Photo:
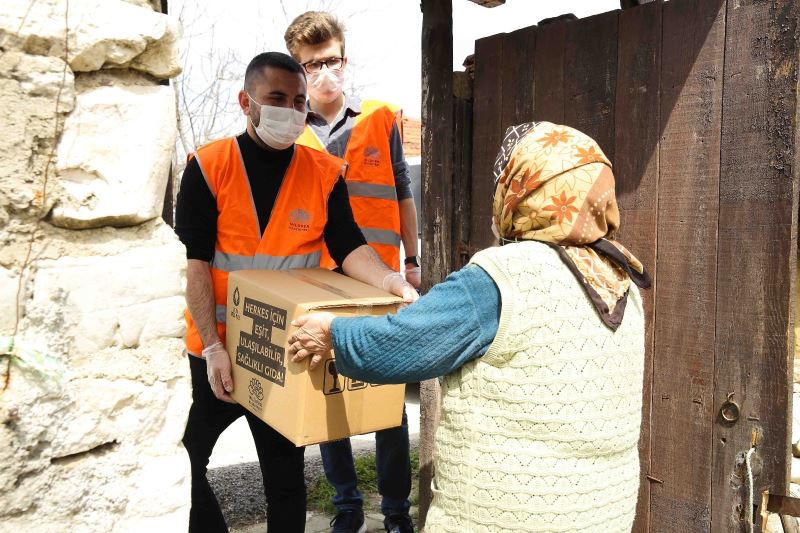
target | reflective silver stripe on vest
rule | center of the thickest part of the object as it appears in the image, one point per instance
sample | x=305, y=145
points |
x=381, y=236
x=222, y=312
x=233, y=262
x=371, y=190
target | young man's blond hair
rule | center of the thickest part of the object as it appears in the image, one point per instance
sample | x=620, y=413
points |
x=313, y=28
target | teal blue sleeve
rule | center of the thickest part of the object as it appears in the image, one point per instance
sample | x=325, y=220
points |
x=453, y=323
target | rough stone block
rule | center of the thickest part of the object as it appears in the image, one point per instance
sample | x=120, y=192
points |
x=114, y=157
x=161, y=59
x=99, y=390
x=30, y=85
x=121, y=300
x=87, y=449
x=9, y=281
x=102, y=34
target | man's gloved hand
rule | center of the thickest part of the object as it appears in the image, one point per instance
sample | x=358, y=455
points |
x=398, y=286
x=219, y=371
x=413, y=275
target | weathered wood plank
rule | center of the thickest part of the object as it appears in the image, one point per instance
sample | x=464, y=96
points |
x=437, y=173
x=519, y=51
x=636, y=128
x=462, y=167
x=429, y=400
x=548, y=100
x=487, y=135
x=437, y=132
x=489, y=3
x=688, y=188
x=756, y=252
x=590, y=77
x=628, y=4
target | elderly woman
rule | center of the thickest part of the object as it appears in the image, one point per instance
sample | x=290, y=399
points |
x=541, y=345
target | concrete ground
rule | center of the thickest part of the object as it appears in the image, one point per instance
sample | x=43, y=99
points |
x=318, y=523
x=236, y=478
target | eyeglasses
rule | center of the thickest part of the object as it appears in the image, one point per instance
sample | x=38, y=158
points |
x=333, y=63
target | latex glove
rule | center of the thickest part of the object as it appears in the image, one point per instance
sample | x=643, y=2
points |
x=219, y=371
x=312, y=339
x=398, y=286
x=414, y=276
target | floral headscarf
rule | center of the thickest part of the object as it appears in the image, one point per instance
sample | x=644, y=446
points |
x=553, y=184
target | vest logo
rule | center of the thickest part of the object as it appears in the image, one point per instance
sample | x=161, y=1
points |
x=299, y=220
x=372, y=156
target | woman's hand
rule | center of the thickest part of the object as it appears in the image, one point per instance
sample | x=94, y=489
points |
x=312, y=339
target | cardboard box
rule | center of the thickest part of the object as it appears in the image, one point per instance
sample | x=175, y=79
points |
x=307, y=407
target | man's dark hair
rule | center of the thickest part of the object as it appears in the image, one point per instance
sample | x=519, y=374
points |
x=269, y=59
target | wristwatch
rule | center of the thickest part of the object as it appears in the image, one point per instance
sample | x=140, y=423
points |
x=412, y=260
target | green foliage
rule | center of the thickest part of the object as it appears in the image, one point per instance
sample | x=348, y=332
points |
x=321, y=492
x=31, y=358
x=319, y=496
x=414, y=498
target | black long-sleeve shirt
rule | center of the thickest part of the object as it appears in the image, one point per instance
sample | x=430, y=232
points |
x=196, y=208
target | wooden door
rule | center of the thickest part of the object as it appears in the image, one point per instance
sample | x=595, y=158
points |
x=695, y=102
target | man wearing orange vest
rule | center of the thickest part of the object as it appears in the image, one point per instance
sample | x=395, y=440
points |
x=366, y=134
x=238, y=207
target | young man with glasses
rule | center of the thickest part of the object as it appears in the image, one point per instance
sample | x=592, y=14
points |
x=365, y=134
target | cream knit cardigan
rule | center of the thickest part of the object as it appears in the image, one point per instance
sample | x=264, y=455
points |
x=541, y=433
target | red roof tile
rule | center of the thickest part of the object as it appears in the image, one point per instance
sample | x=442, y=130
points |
x=412, y=137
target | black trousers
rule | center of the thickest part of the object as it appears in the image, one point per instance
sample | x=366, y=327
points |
x=281, y=462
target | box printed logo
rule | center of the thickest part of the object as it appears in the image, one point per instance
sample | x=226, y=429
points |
x=235, y=311
x=354, y=384
x=256, y=389
x=331, y=383
x=256, y=394
x=332, y=380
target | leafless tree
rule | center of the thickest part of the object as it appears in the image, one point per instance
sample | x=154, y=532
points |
x=331, y=6
x=206, y=91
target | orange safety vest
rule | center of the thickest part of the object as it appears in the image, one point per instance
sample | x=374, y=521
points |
x=370, y=179
x=293, y=237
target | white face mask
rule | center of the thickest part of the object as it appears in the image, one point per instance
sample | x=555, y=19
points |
x=279, y=127
x=326, y=85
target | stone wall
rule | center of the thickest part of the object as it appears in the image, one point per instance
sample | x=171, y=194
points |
x=95, y=389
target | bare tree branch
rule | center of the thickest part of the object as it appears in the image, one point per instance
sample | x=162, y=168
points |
x=205, y=93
